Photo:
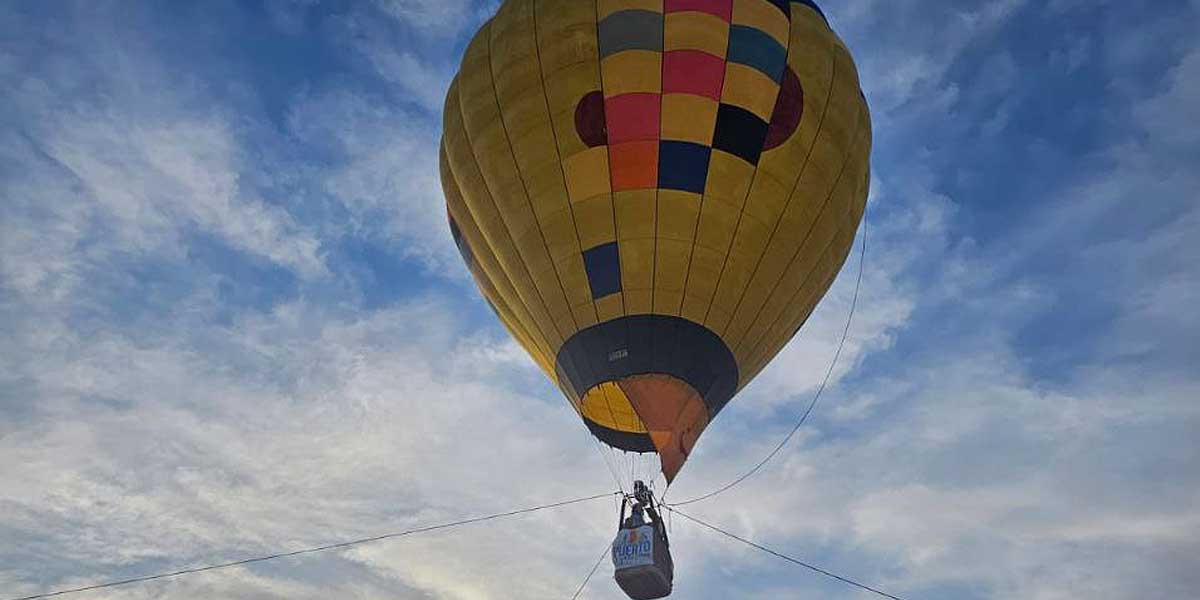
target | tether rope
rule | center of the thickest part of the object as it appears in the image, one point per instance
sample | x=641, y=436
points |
x=312, y=550
x=607, y=549
x=816, y=396
x=776, y=554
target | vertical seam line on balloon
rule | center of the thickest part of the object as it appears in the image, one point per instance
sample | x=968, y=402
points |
x=608, y=402
x=683, y=293
x=612, y=193
x=483, y=280
x=824, y=205
x=804, y=288
x=792, y=194
x=829, y=281
x=700, y=213
x=658, y=158
x=529, y=202
x=519, y=266
x=708, y=172
x=571, y=208
x=753, y=177
x=673, y=350
x=537, y=49
x=662, y=60
x=612, y=203
x=806, y=279
x=800, y=288
x=545, y=339
x=662, y=91
x=482, y=274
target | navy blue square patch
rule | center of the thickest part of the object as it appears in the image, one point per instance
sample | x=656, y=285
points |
x=740, y=133
x=683, y=166
x=603, y=265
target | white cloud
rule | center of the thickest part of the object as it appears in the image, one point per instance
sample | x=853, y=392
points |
x=297, y=430
x=437, y=16
x=388, y=178
x=1161, y=114
x=919, y=45
x=153, y=181
x=940, y=463
x=289, y=15
x=423, y=83
x=127, y=170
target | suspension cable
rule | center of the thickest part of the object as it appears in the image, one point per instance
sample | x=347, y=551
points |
x=608, y=457
x=315, y=549
x=816, y=396
x=776, y=554
x=579, y=591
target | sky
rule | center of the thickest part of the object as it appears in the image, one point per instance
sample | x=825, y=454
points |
x=233, y=320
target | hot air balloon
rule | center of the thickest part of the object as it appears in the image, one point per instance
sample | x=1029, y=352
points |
x=654, y=195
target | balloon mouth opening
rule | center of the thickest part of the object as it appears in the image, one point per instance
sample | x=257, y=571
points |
x=647, y=383
x=650, y=412
x=673, y=413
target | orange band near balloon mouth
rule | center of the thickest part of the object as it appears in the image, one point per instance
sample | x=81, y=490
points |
x=669, y=373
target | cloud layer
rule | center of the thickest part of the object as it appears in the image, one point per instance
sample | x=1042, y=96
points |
x=232, y=321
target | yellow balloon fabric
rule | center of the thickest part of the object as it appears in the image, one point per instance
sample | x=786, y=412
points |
x=653, y=195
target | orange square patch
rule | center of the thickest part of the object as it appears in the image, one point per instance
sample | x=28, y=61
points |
x=634, y=165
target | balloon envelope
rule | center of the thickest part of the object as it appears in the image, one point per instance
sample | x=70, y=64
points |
x=653, y=195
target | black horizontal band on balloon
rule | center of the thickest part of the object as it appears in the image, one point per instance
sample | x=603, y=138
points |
x=649, y=344
x=624, y=440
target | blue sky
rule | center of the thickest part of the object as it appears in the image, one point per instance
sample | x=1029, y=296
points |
x=232, y=320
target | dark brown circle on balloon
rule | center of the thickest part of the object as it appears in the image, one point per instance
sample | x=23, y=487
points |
x=789, y=108
x=589, y=119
